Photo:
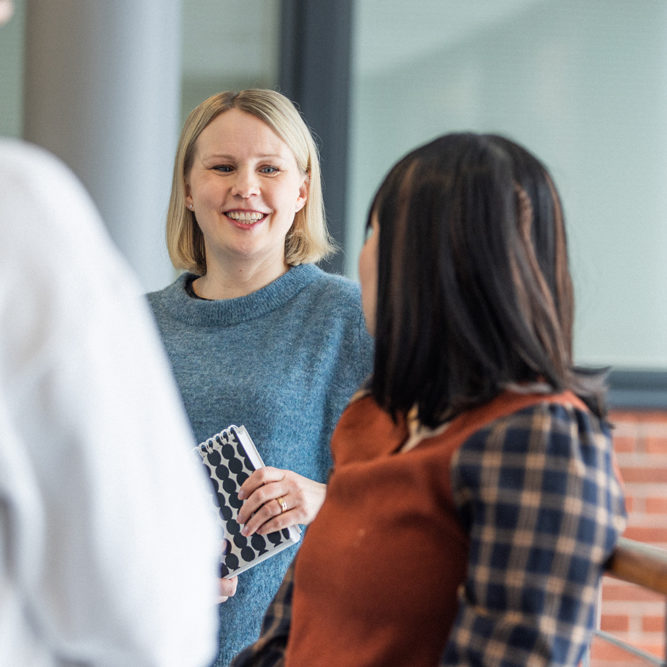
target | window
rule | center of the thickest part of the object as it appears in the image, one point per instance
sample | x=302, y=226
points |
x=584, y=86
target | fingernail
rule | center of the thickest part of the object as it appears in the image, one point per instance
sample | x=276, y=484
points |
x=240, y=494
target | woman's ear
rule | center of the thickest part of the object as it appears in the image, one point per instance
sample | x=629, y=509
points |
x=188, y=196
x=303, y=193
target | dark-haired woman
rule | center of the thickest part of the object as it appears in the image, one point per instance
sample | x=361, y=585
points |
x=474, y=499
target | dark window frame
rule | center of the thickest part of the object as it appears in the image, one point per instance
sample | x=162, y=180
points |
x=314, y=72
x=637, y=389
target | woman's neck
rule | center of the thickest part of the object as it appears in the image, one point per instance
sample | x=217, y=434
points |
x=232, y=282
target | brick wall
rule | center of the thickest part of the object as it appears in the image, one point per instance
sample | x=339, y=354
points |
x=633, y=615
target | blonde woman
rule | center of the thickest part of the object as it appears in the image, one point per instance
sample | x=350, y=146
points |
x=257, y=334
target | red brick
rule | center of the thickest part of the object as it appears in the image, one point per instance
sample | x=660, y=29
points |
x=655, y=444
x=655, y=505
x=628, y=611
x=604, y=653
x=625, y=444
x=653, y=417
x=658, y=650
x=653, y=624
x=614, y=589
x=614, y=622
x=647, y=534
x=644, y=474
x=622, y=416
x=627, y=592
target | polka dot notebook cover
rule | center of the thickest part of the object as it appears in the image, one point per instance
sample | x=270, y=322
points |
x=230, y=457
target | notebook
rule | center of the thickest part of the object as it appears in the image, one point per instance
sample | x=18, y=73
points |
x=230, y=457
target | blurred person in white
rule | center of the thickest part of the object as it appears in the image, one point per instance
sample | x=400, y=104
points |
x=108, y=549
x=108, y=542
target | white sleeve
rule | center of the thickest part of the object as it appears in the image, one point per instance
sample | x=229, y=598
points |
x=109, y=534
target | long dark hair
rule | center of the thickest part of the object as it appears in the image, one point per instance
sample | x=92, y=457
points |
x=474, y=289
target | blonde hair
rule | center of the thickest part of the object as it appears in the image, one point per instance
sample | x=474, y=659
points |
x=308, y=239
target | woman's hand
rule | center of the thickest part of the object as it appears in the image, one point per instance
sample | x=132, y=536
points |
x=276, y=499
x=227, y=588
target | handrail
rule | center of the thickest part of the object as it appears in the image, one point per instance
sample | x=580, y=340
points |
x=646, y=566
x=639, y=563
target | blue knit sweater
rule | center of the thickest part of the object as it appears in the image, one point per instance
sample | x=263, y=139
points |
x=282, y=361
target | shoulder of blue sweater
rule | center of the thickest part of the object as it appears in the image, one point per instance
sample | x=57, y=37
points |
x=176, y=285
x=334, y=282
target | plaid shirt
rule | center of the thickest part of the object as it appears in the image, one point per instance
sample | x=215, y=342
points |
x=539, y=498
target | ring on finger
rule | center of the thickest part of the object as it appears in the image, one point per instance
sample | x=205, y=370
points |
x=283, y=504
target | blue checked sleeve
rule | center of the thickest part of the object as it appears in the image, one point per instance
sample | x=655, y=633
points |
x=269, y=649
x=538, y=494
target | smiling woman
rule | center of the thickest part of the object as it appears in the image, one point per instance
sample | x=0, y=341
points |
x=258, y=335
x=244, y=188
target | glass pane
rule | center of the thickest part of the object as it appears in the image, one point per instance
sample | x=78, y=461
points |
x=581, y=84
x=228, y=45
x=11, y=73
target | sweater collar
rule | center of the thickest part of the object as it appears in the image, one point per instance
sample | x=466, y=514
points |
x=228, y=312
